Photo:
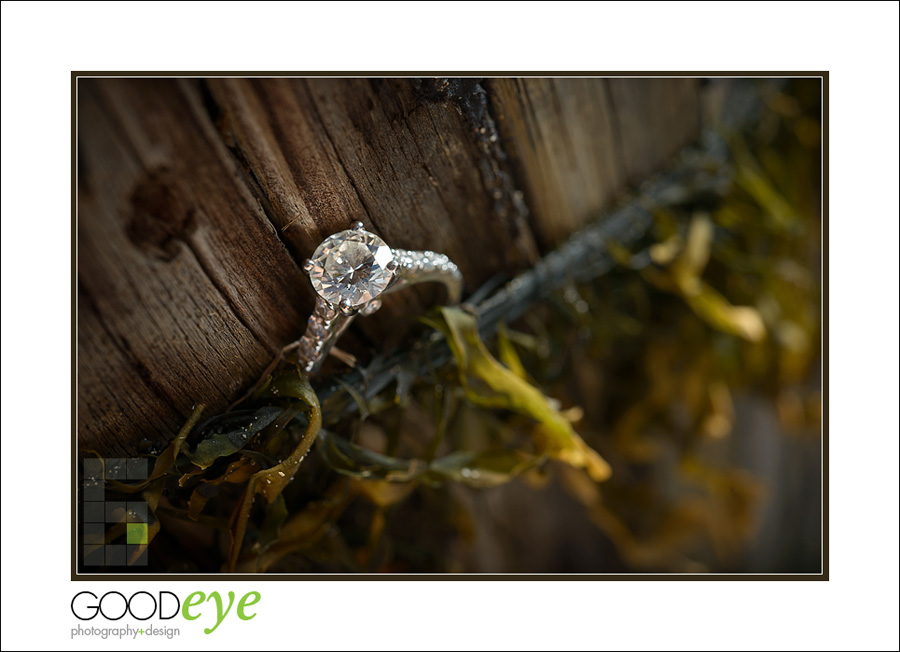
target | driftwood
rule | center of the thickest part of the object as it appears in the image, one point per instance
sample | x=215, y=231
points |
x=197, y=200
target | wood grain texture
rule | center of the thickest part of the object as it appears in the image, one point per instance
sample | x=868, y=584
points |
x=184, y=289
x=324, y=153
x=198, y=199
x=575, y=143
x=369, y=150
x=654, y=119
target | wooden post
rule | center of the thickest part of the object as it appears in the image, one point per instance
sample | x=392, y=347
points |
x=198, y=199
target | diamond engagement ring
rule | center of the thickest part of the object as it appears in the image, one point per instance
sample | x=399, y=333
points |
x=350, y=271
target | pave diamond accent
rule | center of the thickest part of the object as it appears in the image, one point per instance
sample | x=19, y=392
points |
x=324, y=327
x=419, y=266
x=351, y=266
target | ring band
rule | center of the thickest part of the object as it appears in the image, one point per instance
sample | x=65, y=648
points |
x=349, y=271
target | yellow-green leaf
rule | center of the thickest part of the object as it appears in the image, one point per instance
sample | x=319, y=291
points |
x=272, y=481
x=489, y=383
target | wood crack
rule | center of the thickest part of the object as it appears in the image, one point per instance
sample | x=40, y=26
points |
x=255, y=184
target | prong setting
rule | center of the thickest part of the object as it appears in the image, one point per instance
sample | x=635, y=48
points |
x=346, y=307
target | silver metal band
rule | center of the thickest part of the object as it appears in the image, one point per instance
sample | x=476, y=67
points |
x=425, y=266
x=324, y=327
x=328, y=321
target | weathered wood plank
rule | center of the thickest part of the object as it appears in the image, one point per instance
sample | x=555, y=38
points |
x=575, y=143
x=198, y=198
x=185, y=290
x=654, y=118
x=326, y=152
